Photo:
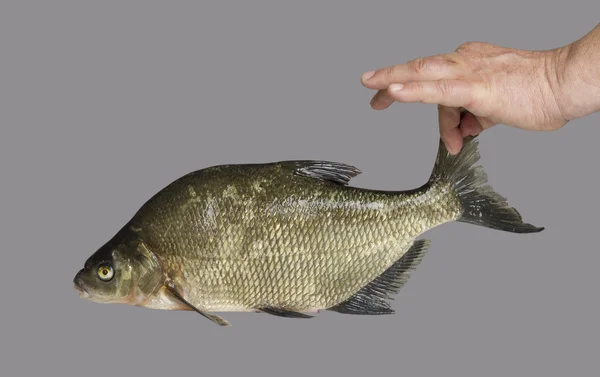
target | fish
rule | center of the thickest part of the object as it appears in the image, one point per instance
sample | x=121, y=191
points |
x=288, y=238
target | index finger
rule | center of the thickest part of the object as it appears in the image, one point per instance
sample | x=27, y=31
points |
x=421, y=69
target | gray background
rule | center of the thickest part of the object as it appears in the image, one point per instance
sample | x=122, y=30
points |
x=104, y=104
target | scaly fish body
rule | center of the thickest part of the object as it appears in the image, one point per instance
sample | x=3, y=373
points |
x=292, y=237
x=248, y=236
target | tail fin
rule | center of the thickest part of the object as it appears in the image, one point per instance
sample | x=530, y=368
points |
x=480, y=204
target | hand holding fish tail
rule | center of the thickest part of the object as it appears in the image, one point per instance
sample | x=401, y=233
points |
x=532, y=90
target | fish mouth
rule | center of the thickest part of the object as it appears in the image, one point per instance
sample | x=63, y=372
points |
x=80, y=287
x=83, y=293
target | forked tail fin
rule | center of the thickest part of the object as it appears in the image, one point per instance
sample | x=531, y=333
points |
x=480, y=204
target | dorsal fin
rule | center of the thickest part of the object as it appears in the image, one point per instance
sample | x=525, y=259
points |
x=373, y=297
x=333, y=172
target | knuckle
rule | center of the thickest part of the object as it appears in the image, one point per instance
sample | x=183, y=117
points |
x=452, y=59
x=422, y=92
x=469, y=46
x=388, y=72
x=419, y=87
x=443, y=86
x=418, y=65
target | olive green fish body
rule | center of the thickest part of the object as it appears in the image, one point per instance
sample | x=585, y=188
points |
x=286, y=238
x=243, y=237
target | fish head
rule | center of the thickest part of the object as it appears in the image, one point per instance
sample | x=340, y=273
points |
x=126, y=272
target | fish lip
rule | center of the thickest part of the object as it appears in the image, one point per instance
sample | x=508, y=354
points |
x=82, y=292
x=80, y=286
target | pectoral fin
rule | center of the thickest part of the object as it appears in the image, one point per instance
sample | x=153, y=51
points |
x=216, y=319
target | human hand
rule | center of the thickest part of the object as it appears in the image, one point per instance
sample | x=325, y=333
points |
x=533, y=90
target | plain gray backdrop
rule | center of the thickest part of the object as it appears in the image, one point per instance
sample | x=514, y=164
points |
x=104, y=103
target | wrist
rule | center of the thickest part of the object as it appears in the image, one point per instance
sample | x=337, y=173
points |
x=576, y=76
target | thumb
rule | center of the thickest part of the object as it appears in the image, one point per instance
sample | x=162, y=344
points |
x=450, y=120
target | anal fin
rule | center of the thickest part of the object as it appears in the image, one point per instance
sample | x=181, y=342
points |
x=284, y=313
x=372, y=299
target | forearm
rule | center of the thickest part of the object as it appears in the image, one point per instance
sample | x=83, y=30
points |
x=578, y=76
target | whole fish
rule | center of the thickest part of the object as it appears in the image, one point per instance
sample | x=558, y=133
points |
x=286, y=238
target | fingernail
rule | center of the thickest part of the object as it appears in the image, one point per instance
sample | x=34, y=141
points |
x=396, y=87
x=448, y=148
x=367, y=75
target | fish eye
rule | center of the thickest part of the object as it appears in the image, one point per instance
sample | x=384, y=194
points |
x=105, y=272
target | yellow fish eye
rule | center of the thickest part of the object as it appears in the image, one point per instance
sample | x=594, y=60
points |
x=105, y=272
